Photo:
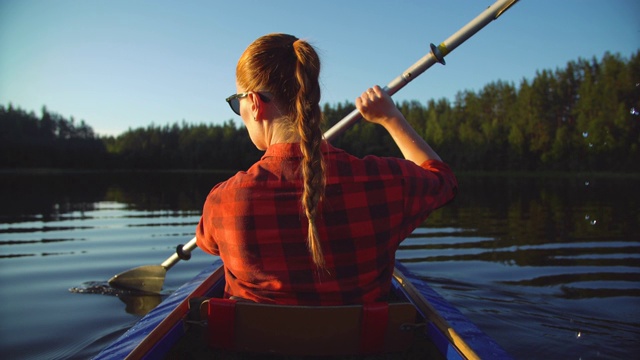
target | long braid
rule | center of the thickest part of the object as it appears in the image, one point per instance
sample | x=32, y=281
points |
x=289, y=69
x=308, y=118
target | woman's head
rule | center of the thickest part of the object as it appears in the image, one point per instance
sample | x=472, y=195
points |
x=287, y=70
x=273, y=63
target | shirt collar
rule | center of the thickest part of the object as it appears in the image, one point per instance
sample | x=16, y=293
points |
x=292, y=150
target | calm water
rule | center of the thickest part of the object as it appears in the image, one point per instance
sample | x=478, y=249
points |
x=549, y=267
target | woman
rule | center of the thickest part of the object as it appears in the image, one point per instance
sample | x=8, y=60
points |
x=309, y=224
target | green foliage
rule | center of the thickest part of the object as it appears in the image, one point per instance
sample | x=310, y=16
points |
x=185, y=147
x=48, y=141
x=585, y=117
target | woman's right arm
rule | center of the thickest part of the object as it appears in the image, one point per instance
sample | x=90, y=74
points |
x=376, y=106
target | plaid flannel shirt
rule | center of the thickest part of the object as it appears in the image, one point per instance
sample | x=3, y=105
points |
x=254, y=221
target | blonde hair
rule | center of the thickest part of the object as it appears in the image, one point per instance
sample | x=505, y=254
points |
x=289, y=68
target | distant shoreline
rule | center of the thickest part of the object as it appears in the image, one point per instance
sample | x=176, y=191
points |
x=501, y=173
x=56, y=171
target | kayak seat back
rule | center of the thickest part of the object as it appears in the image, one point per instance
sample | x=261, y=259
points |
x=309, y=330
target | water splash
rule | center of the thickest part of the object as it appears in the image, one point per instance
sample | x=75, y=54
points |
x=98, y=287
x=103, y=288
x=634, y=111
x=585, y=134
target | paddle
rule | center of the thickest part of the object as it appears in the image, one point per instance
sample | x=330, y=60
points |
x=150, y=278
x=436, y=55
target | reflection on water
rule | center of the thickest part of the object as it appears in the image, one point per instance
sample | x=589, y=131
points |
x=52, y=196
x=549, y=266
x=140, y=304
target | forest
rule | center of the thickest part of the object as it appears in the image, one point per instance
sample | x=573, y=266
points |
x=583, y=117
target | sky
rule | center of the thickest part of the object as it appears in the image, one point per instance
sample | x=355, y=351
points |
x=125, y=64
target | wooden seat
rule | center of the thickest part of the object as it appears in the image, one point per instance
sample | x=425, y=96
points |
x=308, y=330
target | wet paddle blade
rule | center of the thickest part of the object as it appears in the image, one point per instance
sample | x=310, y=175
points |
x=148, y=278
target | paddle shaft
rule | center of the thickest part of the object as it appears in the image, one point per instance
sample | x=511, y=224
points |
x=436, y=55
x=182, y=252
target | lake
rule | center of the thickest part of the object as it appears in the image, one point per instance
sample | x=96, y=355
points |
x=549, y=266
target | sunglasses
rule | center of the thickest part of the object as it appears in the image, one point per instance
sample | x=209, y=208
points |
x=234, y=100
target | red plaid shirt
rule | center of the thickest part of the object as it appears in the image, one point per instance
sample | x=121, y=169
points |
x=255, y=223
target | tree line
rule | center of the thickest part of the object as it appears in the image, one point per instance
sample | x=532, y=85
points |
x=48, y=141
x=583, y=117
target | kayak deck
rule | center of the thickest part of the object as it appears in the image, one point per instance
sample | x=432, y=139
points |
x=165, y=333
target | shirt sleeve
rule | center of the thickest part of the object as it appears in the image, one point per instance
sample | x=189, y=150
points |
x=446, y=186
x=205, y=231
x=204, y=240
x=428, y=187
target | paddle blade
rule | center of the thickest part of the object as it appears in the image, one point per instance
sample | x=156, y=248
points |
x=148, y=278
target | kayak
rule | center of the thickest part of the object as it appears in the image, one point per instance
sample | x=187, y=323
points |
x=424, y=324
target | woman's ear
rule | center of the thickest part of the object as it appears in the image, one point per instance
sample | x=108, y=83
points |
x=257, y=106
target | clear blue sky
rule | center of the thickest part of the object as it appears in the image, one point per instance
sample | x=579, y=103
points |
x=123, y=64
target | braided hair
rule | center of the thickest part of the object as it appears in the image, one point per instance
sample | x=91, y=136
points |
x=289, y=68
